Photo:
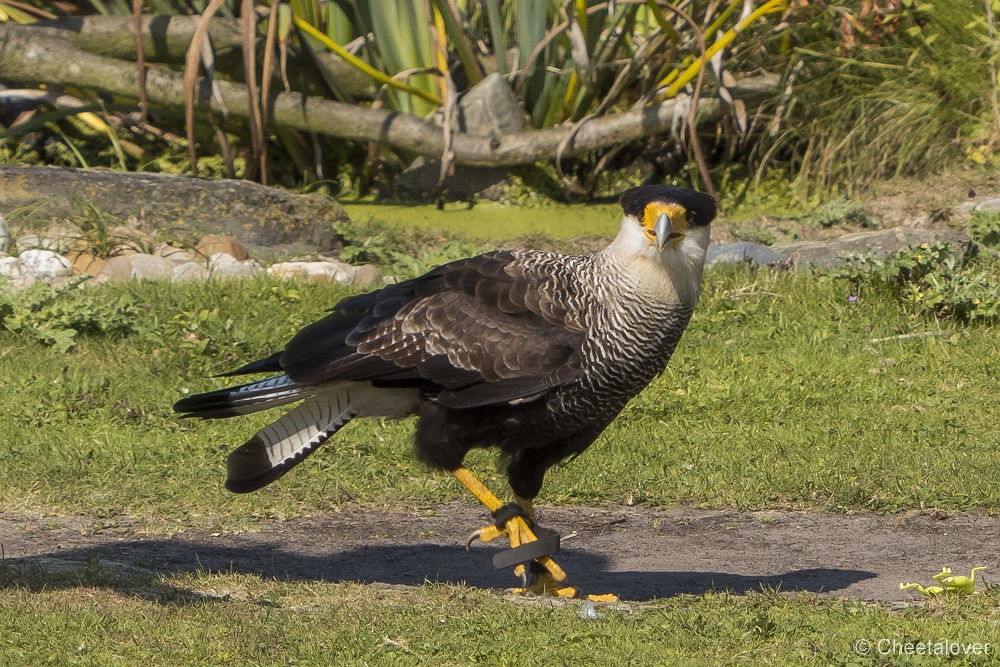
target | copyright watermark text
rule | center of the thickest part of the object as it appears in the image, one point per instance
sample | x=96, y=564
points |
x=945, y=647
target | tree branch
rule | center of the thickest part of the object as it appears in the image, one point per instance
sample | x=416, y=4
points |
x=25, y=58
x=166, y=39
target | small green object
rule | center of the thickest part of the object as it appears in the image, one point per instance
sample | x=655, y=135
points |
x=950, y=583
x=930, y=590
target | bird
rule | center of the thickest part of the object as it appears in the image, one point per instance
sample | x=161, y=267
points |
x=531, y=352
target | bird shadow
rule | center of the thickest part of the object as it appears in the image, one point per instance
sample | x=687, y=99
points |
x=115, y=565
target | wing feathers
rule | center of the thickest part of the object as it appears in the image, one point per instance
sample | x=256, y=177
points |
x=482, y=320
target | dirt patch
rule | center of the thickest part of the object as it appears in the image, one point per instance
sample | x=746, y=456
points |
x=638, y=554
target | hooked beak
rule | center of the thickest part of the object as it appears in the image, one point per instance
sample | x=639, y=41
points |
x=662, y=231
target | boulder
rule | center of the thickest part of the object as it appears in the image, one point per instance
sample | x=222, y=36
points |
x=137, y=267
x=45, y=264
x=254, y=213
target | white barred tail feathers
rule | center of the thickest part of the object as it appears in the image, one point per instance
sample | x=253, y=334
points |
x=280, y=446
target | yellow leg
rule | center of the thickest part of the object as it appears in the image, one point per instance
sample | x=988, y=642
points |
x=518, y=530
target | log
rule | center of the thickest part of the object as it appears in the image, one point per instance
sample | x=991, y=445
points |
x=166, y=40
x=26, y=59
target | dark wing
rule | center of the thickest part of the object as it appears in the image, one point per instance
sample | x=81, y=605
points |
x=480, y=331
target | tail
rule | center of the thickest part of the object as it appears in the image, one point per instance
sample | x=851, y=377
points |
x=243, y=399
x=280, y=446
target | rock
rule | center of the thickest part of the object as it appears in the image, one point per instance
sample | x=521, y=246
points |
x=189, y=271
x=58, y=239
x=963, y=212
x=367, y=275
x=215, y=243
x=224, y=265
x=137, y=267
x=6, y=239
x=743, y=251
x=418, y=182
x=490, y=109
x=324, y=270
x=17, y=275
x=255, y=213
x=45, y=264
x=173, y=252
x=990, y=205
x=829, y=254
x=84, y=262
x=127, y=241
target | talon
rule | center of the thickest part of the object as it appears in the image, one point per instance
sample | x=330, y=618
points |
x=472, y=538
x=484, y=535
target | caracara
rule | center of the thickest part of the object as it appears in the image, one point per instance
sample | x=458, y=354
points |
x=531, y=352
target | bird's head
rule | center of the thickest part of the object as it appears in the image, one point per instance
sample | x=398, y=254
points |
x=664, y=236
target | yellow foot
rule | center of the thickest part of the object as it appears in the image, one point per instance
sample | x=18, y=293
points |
x=545, y=577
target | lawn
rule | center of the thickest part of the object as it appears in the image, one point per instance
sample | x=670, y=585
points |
x=94, y=617
x=784, y=393
x=781, y=394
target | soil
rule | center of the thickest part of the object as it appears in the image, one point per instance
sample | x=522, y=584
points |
x=637, y=553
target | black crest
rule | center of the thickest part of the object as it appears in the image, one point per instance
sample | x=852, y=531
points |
x=701, y=208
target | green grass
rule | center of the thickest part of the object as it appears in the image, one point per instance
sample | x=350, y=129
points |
x=776, y=397
x=95, y=616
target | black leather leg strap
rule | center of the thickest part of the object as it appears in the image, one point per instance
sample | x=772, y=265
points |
x=508, y=512
x=547, y=543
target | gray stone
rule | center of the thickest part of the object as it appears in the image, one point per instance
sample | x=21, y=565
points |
x=45, y=264
x=18, y=276
x=224, y=265
x=490, y=109
x=189, y=271
x=253, y=213
x=963, y=212
x=323, y=270
x=743, y=251
x=990, y=205
x=138, y=267
x=418, y=182
x=367, y=275
x=883, y=243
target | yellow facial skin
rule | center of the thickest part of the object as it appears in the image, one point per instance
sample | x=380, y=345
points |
x=678, y=220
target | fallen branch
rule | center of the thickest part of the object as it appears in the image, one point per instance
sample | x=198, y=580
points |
x=25, y=58
x=166, y=40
